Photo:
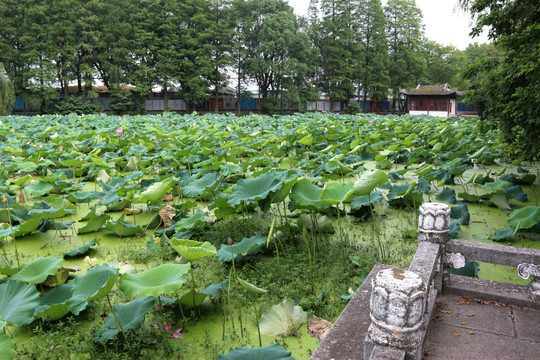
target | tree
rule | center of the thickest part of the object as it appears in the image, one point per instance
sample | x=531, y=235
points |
x=443, y=63
x=7, y=93
x=373, y=79
x=512, y=81
x=404, y=32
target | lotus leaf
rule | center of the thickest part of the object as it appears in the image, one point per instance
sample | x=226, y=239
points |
x=121, y=228
x=81, y=250
x=504, y=234
x=53, y=304
x=454, y=229
x=525, y=218
x=17, y=302
x=8, y=270
x=358, y=201
x=199, y=187
x=155, y=192
x=307, y=195
x=334, y=193
x=192, y=299
x=254, y=189
x=7, y=346
x=323, y=224
x=500, y=201
x=368, y=181
x=496, y=185
x=306, y=140
x=250, y=287
x=131, y=316
x=516, y=193
x=190, y=222
x=38, y=189
x=216, y=289
x=193, y=250
x=95, y=223
x=283, y=319
x=470, y=269
x=461, y=213
x=163, y=279
x=36, y=271
x=95, y=283
x=270, y=352
x=246, y=247
x=447, y=195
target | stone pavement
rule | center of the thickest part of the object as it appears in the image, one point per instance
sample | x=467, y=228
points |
x=464, y=328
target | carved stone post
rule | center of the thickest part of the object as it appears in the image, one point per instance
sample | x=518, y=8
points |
x=434, y=222
x=397, y=312
x=528, y=270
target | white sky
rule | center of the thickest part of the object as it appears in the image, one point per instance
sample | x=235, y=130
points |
x=444, y=22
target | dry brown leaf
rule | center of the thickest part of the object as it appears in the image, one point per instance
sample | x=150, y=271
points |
x=436, y=316
x=167, y=214
x=512, y=316
x=470, y=332
x=470, y=315
x=428, y=353
x=440, y=304
x=447, y=311
x=318, y=328
x=22, y=199
x=90, y=260
x=455, y=334
x=464, y=323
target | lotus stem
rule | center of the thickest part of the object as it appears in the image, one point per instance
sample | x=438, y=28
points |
x=229, y=300
x=116, y=317
x=5, y=201
x=258, y=325
x=305, y=236
x=375, y=228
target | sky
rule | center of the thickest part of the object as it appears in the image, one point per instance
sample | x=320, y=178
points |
x=444, y=22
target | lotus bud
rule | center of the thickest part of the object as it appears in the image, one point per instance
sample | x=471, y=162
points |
x=229, y=240
x=4, y=200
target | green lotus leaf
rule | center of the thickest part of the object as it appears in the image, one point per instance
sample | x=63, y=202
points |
x=156, y=191
x=7, y=346
x=103, y=177
x=121, y=228
x=21, y=180
x=283, y=319
x=192, y=299
x=461, y=213
x=81, y=250
x=199, y=187
x=50, y=213
x=525, y=218
x=131, y=316
x=53, y=305
x=447, y=195
x=190, y=222
x=36, y=271
x=516, y=193
x=323, y=223
x=250, y=287
x=83, y=196
x=365, y=200
x=337, y=167
x=334, y=193
x=500, y=201
x=95, y=223
x=496, y=185
x=281, y=194
x=503, y=234
x=246, y=247
x=8, y=270
x=22, y=229
x=455, y=228
x=216, y=289
x=477, y=154
x=254, y=189
x=163, y=279
x=470, y=269
x=28, y=166
x=270, y=352
x=424, y=170
x=38, y=189
x=17, y=302
x=400, y=190
x=193, y=250
x=96, y=283
x=368, y=181
x=307, y=195
x=470, y=197
x=306, y=140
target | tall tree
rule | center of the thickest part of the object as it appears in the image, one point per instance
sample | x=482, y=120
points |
x=512, y=89
x=7, y=93
x=404, y=32
x=372, y=70
x=338, y=48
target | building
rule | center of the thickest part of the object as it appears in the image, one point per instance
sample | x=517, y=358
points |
x=434, y=100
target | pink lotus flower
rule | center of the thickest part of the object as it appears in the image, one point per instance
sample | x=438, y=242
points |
x=176, y=334
x=229, y=240
x=119, y=131
x=103, y=114
x=215, y=117
x=371, y=121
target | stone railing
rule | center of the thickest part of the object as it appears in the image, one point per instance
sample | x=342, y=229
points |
x=402, y=300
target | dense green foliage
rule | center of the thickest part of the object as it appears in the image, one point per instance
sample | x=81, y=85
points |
x=198, y=48
x=7, y=93
x=510, y=81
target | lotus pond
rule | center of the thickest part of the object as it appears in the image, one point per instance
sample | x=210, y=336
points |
x=198, y=237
